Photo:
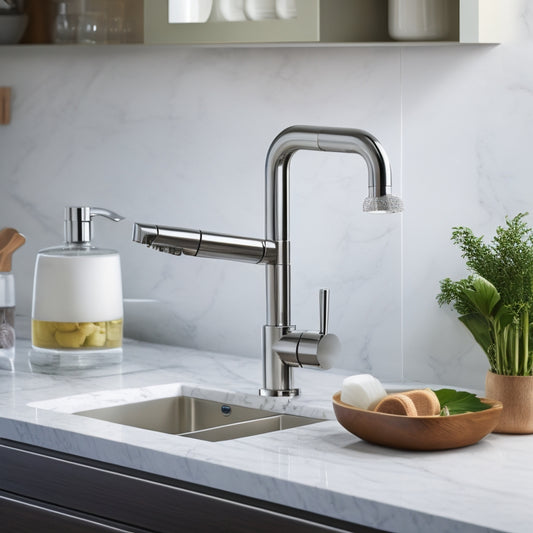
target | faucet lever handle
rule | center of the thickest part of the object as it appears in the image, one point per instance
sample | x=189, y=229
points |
x=309, y=348
x=323, y=302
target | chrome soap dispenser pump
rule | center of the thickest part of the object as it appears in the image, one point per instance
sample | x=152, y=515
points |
x=77, y=309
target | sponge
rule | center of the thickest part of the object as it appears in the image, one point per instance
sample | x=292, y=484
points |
x=419, y=402
x=397, y=404
x=425, y=400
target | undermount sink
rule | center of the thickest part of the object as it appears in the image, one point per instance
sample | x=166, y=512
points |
x=198, y=418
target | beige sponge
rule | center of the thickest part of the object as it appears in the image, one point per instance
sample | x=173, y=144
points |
x=397, y=404
x=425, y=400
x=420, y=402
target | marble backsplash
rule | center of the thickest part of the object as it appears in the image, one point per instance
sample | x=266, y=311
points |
x=178, y=136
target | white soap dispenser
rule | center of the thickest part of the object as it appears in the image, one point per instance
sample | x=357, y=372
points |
x=77, y=307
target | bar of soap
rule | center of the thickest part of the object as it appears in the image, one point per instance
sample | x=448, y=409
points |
x=362, y=390
x=397, y=404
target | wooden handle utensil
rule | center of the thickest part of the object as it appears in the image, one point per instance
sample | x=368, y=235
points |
x=10, y=240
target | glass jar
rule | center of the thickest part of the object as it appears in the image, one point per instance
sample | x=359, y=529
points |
x=65, y=24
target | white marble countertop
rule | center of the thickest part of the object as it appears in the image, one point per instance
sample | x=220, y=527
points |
x=320, y=468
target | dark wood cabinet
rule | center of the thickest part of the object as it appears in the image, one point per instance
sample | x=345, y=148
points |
x=45, y=491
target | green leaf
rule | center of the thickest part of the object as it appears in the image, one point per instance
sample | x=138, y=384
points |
x=504, y=316
x=479, y=327
x=483, y=295
x=459, y=402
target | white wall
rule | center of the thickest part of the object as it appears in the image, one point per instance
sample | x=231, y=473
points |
x=178, y=136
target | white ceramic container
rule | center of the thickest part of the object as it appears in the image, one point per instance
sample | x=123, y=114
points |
x=260, y=9
x=286, y=9
x=185, y=11
x=419, y=20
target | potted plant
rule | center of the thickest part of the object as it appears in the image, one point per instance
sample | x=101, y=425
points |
x=495, y=303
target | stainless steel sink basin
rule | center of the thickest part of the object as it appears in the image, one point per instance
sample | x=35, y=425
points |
x=198, y=418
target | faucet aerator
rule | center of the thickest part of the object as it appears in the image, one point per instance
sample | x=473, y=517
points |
x=383, y=204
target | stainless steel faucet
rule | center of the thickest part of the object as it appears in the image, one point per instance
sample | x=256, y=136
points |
x=284, y=347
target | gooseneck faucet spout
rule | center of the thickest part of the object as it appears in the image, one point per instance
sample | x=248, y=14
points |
x=284, y=347
x=277, y=370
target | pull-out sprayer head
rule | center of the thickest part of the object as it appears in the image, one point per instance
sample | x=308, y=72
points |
x=174, y=241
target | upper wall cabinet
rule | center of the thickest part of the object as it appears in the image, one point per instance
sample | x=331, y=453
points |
x=246, y=22
x=313, y=21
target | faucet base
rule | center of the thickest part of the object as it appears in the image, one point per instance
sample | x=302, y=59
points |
x=279, y=393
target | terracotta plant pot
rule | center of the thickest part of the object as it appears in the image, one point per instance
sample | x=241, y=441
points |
x=516, y=394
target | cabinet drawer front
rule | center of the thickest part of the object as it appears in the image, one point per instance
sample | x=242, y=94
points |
x=104, y=492
x=21, y=516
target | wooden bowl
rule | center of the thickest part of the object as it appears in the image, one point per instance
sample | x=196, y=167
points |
x=418, y=432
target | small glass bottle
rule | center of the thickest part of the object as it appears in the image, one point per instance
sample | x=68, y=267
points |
x=10, y=240
x=77, y=298
x=92, y=27
x=64, y=29
x=7, y=320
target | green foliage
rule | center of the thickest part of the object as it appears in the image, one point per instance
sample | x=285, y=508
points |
x=454, y=402
x=507, y=263
x=495, y=302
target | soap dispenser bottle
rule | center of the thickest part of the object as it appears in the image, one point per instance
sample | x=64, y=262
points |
x=77, y=298
x=10, y=240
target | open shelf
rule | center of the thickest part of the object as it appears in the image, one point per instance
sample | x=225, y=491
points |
x=355, y=22
x=318, y=22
